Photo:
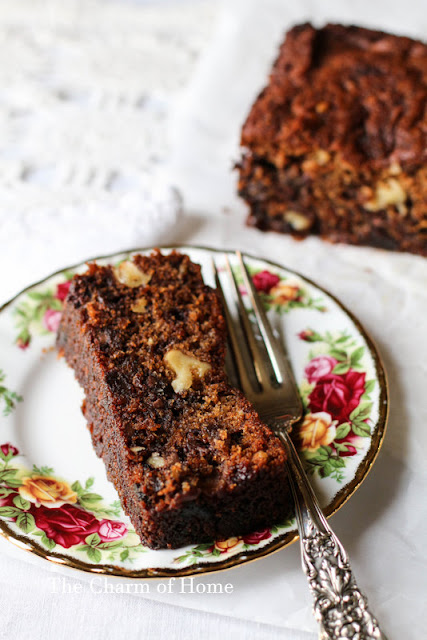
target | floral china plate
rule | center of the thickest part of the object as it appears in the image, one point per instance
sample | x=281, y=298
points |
x=55, y=500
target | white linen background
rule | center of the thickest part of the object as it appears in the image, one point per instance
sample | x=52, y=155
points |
x=384, y=525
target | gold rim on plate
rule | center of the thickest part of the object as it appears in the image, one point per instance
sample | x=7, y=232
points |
x=279, y=542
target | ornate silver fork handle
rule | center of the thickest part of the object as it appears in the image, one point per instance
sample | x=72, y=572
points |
x=339, y=606
x=266, y=378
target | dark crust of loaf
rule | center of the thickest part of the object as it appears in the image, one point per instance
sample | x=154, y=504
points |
x=343, y=117
x=223, y=471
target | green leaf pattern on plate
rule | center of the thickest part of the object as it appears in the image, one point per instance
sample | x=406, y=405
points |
x=59, y=515
x=337, y=401
x=279, y=292
x=221, y=548
x=39, y=312
x=8, y=397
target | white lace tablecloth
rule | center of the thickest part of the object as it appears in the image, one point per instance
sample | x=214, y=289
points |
x=106, y=108
x=86, y=91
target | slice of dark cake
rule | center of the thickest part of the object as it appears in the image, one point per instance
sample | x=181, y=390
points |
x=336, y=143
x=187, y=453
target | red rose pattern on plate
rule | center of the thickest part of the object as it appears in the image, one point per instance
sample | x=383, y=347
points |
x=337, y=387
x=62, y=515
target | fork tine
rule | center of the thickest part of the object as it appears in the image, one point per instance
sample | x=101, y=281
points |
x=237, y=340
x=278, y=358
x=262, y=370
x=279, y=408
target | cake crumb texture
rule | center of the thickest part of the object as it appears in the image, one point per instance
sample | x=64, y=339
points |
x=187, y=453
x=336, y=143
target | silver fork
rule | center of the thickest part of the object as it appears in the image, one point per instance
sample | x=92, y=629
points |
x=265, y=377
